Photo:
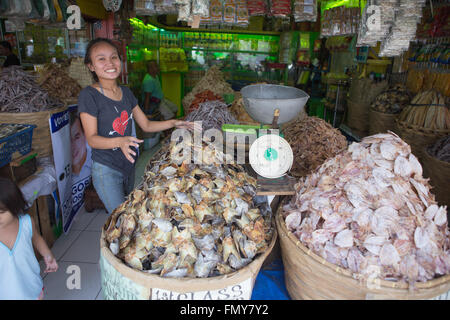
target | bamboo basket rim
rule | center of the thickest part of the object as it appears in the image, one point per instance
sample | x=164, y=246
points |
x=384, y=113
x=52, y=110
x=406, y=126
x=345, y=272
x=433, y=158
x=145, y=277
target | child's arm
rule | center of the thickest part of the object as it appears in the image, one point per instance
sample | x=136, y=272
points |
x=43, y=249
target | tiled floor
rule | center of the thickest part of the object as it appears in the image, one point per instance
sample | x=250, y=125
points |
x=78, y=252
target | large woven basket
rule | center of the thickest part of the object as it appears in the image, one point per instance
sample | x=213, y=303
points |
x=358, y=116
x=309, y=276
x=380, y=122
x=439, y=173
x=120, y=282
x=42, y=141
x=419, y=138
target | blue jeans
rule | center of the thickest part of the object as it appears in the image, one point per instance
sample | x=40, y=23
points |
x=111, y=185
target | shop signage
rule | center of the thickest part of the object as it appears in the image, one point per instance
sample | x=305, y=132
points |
x=240, y=291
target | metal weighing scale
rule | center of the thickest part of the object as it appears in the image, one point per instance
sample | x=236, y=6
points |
x=270, y=155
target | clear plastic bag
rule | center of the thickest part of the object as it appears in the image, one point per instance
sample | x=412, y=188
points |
x=200, y=8
x=280, y=8
x=184, y=10
x=144, y=7
x=257, y=7
x=305, y=10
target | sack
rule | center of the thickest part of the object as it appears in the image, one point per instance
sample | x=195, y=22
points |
x=168, y=109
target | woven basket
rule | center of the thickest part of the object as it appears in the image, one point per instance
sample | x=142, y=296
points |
x=358, y=116
x=119, y=281
x=380, y=122
x=309, y=276
x=42, y=141
x=439, y=173
x=418, y=138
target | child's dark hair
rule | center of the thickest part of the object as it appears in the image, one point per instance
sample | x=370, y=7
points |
x=11, y=198
x=92, y=43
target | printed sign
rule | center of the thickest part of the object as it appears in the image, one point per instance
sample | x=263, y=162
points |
x=62, y=156
x=241, y=291
x=81, y=161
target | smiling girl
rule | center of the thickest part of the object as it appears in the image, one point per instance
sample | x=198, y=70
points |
x=106, y=111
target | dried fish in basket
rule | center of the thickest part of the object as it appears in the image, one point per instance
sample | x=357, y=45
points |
x=189, y=220
x=313, y=141
x=55, y=79
x=370, y=207
x=213, y=114
x=20, y=92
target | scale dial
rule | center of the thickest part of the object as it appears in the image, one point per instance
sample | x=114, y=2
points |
x=271, y=156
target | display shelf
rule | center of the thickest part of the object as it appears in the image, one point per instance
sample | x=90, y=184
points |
x=232, y=51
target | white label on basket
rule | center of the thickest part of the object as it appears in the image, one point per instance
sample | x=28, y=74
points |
x=241, y=291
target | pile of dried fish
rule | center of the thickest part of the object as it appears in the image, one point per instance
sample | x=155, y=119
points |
x=213, y=114
x=201, y=97
x=214, y=81
x=238, y=110
x=20, y=92
x=368, y=209
x=392, y=101
x=441, y=149
x=7, y=129
x=428, y=109
x=188, y=220
x=313, y=141
x=56, y=81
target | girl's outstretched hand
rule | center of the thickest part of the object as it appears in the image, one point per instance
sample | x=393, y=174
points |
x=50, y=263
x=125, y=145
x=180, y=124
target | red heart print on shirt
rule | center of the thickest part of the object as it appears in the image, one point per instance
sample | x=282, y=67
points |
x=120, y=124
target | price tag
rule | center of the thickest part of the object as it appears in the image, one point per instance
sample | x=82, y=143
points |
x=241, y=291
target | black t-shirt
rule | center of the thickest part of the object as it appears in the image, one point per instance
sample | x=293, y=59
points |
x=11, y=60
x=114, y=119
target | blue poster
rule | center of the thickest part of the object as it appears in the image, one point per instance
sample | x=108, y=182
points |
x=62, y=156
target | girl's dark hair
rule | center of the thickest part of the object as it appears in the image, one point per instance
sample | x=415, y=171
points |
x=92, y=44
x=11, y=198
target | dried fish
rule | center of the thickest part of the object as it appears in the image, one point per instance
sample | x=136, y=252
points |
x=375, y=208
x=213, y=114
x=21, y=93
x=313, y=141
x=191, y=220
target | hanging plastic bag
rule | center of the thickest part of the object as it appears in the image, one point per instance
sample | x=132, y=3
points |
x=229, y=12
x=242, y=13
x=144, y=7
x=280, y=8
x=256, y=7
x=200, y=8
x=305, y=10
x=35, y=14
x=4, y=7
x=216, y=12
x=52, y=10
x=184, y=10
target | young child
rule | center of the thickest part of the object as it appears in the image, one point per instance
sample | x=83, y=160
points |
x=106, y=111
x=20, y=277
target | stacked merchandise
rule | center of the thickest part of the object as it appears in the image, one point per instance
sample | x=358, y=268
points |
x=305, y=10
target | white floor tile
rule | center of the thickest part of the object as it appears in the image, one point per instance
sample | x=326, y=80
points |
x=98, y=222
x=82, y=219
x=56, y=284
x=85, y=249
x=63, y=243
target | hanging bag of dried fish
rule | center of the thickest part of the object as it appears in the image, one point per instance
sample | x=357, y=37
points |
x=313, y=141
x=436, y=166
x=368, y=225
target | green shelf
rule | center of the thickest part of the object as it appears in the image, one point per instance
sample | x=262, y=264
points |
x=233, y=51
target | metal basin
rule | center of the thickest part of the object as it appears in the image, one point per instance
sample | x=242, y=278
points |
x=261, y=100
